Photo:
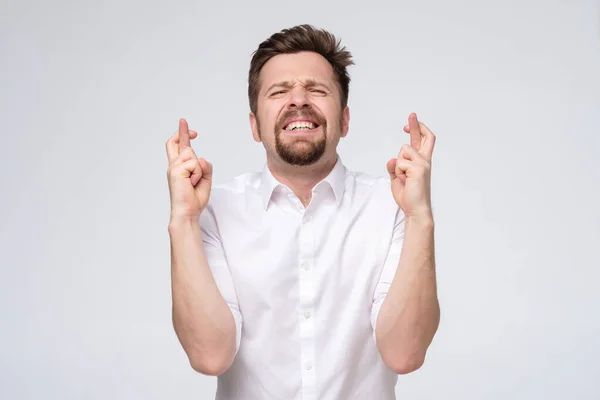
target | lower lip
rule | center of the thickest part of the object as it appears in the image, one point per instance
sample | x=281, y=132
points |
x=301, y=132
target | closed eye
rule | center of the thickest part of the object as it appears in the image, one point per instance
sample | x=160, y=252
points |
x=278, y=92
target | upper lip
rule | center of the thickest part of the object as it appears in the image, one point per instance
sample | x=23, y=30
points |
x=299, y=120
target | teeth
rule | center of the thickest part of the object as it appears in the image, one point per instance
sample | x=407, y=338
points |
x=300, y=125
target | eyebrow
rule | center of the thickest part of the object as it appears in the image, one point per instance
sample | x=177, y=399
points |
x=288, y=84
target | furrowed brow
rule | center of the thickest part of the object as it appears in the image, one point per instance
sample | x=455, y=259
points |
x=289, y=84
x=283, y=84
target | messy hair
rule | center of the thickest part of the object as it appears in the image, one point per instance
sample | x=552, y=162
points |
x=294, y=40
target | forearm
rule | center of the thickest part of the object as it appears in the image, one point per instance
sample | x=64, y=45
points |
x=202, y=319
x=409, y=315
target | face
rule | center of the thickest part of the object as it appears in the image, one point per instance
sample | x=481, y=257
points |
x=299, y=117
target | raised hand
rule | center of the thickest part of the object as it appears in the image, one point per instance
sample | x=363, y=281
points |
x=410, y=172
x=190, y=177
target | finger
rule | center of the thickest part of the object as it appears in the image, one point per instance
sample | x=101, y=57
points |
x=395, y=175
x=402, y=170
x=186, y=169
x=204, y=173
x=185, y=155
x=411, y=163
x=172, y=148
x=426, y=136
x=391, y=168
x=197, y=173
x=207, y=168
x=193, y=135
x=184, y=134
x=428, y=142
x=397, y=169
x=415, y=131
x=401, y=167
x=407, y=152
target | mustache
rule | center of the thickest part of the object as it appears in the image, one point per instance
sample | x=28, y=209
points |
x=308, y=113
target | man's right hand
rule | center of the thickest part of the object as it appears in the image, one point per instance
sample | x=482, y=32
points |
x=190, y=177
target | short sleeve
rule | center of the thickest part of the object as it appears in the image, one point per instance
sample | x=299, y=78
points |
x=389, y=267
x=215, y=254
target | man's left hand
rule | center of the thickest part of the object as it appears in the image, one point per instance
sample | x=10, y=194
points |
x=410, y=173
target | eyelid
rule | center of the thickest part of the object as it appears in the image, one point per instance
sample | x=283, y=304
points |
x=310, y=89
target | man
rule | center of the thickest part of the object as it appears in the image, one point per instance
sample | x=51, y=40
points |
x=304, y=280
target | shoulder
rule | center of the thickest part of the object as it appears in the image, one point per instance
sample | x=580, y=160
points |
x=229, y=198
x=237, y=185
x=373, y=192
x=234, y=192
x=367, y=183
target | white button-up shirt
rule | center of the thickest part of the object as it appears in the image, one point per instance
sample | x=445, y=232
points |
x=304, y=285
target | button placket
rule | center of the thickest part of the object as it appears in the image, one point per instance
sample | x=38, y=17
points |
x=305, y=316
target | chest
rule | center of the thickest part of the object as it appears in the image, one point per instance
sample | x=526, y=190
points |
x=324, y=255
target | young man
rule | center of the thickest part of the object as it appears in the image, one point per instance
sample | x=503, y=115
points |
x=305, y=280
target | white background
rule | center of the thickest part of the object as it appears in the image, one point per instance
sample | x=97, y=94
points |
x=91, y=90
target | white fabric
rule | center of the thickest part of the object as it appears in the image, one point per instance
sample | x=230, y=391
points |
x=304, y=285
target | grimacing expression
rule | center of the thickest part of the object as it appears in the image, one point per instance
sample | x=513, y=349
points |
x=301, y=150
x=299, y=110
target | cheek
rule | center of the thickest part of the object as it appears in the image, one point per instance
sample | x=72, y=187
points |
x=267, y=124
x=269, y=117
x=334, y=118
x=328, y=109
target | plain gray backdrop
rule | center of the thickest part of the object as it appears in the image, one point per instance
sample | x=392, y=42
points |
x=91, y=90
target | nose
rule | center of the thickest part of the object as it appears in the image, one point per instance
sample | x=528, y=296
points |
x=298, y=98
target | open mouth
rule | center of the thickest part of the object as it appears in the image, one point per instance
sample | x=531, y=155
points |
x=300, y=126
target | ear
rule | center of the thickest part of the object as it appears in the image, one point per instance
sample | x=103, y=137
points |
x=254, y=127
x=345, y=121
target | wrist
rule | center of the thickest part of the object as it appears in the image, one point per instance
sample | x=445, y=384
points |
x=180, y=220
x=423, y=219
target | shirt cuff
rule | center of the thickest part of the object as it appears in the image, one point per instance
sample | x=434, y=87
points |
x=375, y=314
x=237, y=316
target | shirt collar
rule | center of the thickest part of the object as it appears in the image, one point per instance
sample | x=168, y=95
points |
x=336, y=180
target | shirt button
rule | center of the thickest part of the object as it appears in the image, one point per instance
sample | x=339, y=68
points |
x=308, y=367
x=306, y=266
x=307, y=315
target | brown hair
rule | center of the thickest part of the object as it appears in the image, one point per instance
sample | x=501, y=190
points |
x=294, y=40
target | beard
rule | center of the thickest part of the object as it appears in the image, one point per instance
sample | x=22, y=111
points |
x=300, y=151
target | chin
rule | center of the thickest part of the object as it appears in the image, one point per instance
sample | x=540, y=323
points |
x=301, y=158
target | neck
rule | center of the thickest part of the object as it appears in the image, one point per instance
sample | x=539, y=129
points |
x=302, y=179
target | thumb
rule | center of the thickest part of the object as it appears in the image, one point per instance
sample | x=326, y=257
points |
x=394, y=178
x=207, y=169
x=196, y=173
x=391, y=168
x=206, y=173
